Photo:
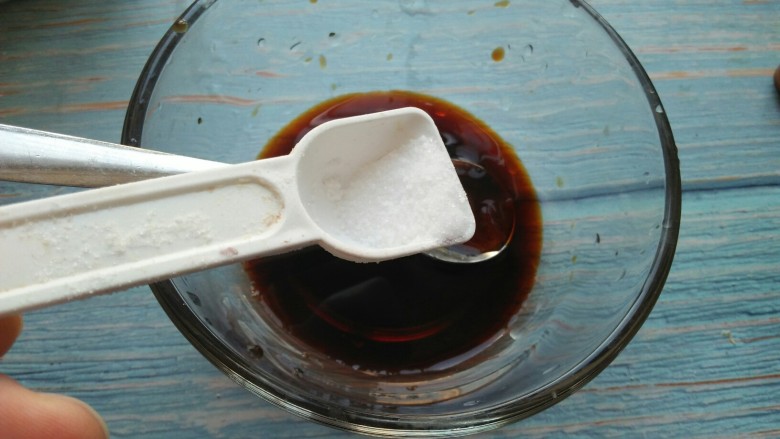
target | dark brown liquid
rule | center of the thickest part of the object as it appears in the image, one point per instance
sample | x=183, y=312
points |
x=415, y=312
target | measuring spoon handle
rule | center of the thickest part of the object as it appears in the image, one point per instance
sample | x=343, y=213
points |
x=73, y=246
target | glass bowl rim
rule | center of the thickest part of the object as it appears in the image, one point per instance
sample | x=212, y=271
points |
x=494, y=417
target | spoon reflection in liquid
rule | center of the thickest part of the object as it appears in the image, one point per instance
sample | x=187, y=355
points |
x=495, y=218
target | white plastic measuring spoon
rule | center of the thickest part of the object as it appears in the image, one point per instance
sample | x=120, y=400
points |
x=33, y=156
x=366, y=188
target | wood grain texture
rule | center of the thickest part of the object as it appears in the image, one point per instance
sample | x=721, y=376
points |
x=705, y=364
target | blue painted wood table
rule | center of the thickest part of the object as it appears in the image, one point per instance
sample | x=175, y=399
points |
x=705, y=364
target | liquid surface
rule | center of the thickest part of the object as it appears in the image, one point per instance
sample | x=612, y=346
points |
x=414, y=313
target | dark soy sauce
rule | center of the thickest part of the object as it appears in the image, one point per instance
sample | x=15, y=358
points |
x=413, y=313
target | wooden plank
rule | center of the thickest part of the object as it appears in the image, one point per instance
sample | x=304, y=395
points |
x=705, y=364
x=712, y=62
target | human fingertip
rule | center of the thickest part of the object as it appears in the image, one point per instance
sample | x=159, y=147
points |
x=10, y=328
x=86, y=422
x=28, y=414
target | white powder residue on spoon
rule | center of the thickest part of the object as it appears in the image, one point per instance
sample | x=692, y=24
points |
x=411, y=194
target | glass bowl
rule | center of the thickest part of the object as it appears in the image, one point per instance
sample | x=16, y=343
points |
x=551, y=78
